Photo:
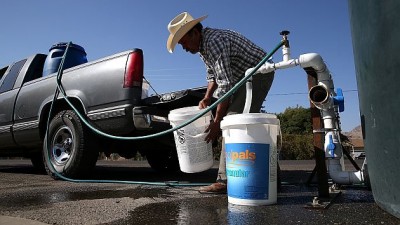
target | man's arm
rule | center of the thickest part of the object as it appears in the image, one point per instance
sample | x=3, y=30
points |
x=214, y=127
x=206, y=101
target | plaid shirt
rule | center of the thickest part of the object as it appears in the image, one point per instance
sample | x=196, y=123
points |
x=227, y=55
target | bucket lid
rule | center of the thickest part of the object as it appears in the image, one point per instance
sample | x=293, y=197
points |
x=63, y=45
x=249, y=118
x=186, y=113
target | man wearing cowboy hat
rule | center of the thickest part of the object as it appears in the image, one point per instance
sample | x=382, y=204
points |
x=227, y=55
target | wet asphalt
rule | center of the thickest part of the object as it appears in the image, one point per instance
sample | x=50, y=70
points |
x=26, y=194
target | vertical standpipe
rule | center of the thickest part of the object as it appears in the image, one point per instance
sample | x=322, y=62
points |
x=324, y=98
x=251, y=158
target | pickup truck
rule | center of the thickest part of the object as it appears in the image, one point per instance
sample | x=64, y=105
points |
x=107, y=92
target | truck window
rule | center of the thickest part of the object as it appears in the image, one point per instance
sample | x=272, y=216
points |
x=11, y=77
x=2, y=72
x=36, y=69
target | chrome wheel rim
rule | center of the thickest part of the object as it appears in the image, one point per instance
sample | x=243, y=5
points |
x=62, y=145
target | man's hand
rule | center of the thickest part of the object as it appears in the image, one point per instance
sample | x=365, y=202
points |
x=214, y=131
x=204, y=103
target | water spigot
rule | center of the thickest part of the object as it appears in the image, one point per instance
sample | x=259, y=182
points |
x=285, y=40
x=286, y=47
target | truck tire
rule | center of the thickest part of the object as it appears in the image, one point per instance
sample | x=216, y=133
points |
x=163, y=159
x=71, y=152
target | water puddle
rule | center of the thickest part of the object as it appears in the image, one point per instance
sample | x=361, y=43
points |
x=15, y=200
x=191, y=211
x=211, y=210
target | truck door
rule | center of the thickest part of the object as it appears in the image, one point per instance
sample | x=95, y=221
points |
x=8, y=95
x=27, y=105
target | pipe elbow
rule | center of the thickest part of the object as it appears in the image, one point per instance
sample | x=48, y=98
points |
x=344, y=177
x=347, y=177
x=313, y=60
x=248, y=71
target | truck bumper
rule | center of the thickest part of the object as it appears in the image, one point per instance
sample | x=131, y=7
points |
x=150, y=118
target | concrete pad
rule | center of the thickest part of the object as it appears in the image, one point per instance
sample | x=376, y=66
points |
x=8, y=220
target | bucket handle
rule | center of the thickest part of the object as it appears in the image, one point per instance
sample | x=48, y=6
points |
x=197, y=135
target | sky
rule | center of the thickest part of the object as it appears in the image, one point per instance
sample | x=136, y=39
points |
x=106, y=27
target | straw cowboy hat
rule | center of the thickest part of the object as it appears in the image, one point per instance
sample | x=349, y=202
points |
x=179, y=26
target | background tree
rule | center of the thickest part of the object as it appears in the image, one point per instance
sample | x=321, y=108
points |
x=297, y=137
x=296, y=120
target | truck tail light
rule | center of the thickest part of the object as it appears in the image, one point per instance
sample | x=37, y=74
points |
x=134, y=69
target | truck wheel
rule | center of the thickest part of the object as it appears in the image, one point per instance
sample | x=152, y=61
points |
x=71, y=151
x=164, y=159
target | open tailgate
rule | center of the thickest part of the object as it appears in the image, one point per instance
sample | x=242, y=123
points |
x=155, y=109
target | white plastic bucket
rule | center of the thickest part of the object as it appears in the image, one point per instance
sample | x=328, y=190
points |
x=194, y=154
x=251, y=158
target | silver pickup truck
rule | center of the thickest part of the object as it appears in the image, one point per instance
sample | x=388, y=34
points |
x=108, y=92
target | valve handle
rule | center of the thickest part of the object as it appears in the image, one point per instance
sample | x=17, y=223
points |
x=331, y=147
x=339, y=99
x=284, y=32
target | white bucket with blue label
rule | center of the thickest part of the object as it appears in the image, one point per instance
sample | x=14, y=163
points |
x=251, y=158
